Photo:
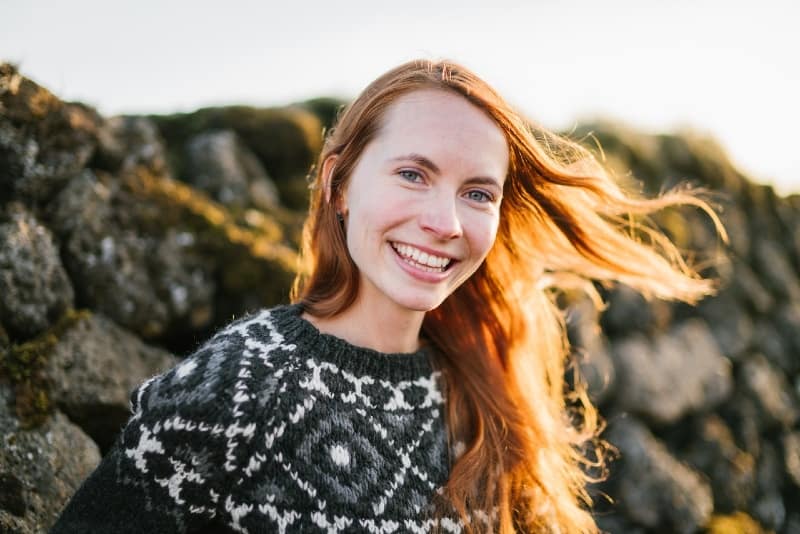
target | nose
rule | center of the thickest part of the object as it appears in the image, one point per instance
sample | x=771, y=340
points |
x=440, y=217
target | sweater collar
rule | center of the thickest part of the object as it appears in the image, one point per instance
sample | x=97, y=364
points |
x=359, y=361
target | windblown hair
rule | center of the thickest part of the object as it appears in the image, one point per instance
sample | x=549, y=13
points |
x=531, y=442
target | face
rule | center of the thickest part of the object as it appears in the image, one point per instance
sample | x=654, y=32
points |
x=422, y=204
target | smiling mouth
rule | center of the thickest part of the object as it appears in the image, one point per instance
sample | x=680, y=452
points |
x=422, y=260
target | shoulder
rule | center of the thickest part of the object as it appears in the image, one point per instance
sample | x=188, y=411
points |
x=207, y=381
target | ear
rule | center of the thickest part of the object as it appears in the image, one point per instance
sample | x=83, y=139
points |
x=327, y=173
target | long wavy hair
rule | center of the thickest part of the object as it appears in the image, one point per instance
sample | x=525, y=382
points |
x=530, y=443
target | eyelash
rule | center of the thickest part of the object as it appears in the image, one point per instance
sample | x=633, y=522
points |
x=487, y=197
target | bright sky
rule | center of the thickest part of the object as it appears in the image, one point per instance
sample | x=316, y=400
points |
x=730, y=68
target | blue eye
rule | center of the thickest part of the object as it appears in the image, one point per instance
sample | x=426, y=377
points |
x=479, y=196
x=411, y=176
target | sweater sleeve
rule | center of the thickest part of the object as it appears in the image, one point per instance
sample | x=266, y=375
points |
x=166, y=469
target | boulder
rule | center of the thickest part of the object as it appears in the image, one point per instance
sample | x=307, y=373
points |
x=40, y=468
x=655, y=489
x=127, y=142
x=776, y=270
x=676, y=373
x=773, y=395
x=731, y=471
x=92, y=370
x=34, y=287
x=218, y=163
x=124, y=264
x=286, y=141
x=43, y=141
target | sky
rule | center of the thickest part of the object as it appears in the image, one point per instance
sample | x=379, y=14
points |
x=730, y=69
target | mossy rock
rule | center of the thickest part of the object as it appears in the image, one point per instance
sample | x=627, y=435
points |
x=23, y=364
x=254, y=262
x=43, y=141
x=327, y=109
x=286, y=141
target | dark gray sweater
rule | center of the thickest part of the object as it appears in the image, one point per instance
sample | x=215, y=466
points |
x=272, y=426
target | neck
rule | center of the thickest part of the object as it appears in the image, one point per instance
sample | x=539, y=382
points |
x=388, y=329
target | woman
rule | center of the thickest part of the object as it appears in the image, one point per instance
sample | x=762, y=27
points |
x=417, y=382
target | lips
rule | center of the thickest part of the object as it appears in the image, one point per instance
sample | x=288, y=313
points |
x=424, y=260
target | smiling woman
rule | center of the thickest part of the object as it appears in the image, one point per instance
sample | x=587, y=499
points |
x=416, y=383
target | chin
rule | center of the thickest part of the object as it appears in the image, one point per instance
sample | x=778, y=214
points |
x=420, y=304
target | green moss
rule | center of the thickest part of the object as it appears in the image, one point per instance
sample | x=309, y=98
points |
x=23, y=365
x=258, y=257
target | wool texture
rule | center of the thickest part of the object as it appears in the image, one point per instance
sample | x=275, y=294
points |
x=273, y=426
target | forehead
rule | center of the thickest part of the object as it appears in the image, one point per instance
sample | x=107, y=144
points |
x=442, y=124
x=438, y=108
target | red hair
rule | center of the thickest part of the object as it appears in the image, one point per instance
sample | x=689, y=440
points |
x=500, y=337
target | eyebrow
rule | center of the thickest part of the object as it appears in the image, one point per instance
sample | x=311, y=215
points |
x=421, y=160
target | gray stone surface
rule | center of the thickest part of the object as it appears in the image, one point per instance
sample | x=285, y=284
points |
x=93, y=368
x=730, y=470
x=655, y=489
x=34, y=287
x=40, y=468
x=774, y=396
x=43, y=141
x=776, y=270
x=125, y=142
x=142, y=276
x=218, y=163
x=677, y=372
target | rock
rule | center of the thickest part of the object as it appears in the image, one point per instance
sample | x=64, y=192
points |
x=776, y=270
x=285, y=140
x=93, y=369
x=218, y=163
x=729, y=323
x=145, y=277
x=43, y=141
x=590, y=350
x=678, y=372
x=791, y=456
x=126, y=142
x=792, y=525
x=40, y=468
x=731, y=471
x=770, y=510
x=740, y=413
x=34, y=287
x=629, y=312
x=735, y=220
x=771, y=391
x=656, y=490
x=787, y=322
x=748, y=288
x=768, y=506
x=774, y=346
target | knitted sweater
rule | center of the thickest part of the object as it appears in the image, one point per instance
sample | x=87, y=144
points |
x=272, y=426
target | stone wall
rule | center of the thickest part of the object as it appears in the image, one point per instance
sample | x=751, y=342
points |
x=126, y=241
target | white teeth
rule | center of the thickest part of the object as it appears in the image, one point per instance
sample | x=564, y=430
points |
x=421, y=260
